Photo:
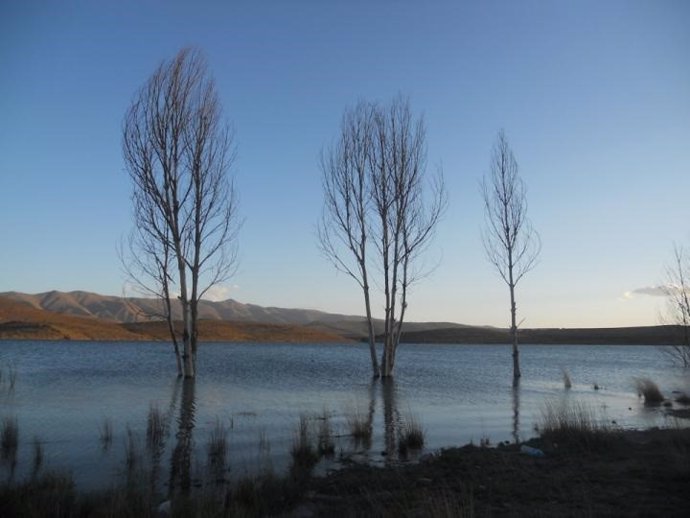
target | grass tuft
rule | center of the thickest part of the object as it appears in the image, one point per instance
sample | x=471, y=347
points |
x=575, y=424
x=106, y=434
x=303, y=453
x=410, y=435
x=648, y=390
x=325, y=444
x=217, y=448
x=155, y=428
x=359, y=428
x=131, y=452
x=9, y=439
x=38, y=456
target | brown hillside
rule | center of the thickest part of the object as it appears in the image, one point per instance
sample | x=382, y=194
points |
x=223, y=331
x=20, y=320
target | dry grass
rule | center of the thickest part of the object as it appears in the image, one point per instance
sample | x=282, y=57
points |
x=649, y=390
x=156, y=429
x=325, y=443
x=38, y=456
x=359, y=428
x=303, y=452
x=410, y=435
x=132, y=456
x=575, y=424
x=217, y=448
x=106, y=434
x=9, y=439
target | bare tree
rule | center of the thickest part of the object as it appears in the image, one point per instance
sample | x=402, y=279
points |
x=376, y=194
x=347, y=191
x=677, y=292
x=178, y=152
x=510, y=242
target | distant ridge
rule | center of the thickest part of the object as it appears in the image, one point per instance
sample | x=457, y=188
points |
x=22, y=318
x=138, y=309
x=129, y=318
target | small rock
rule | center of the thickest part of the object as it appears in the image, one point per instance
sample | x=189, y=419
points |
x=532, y=452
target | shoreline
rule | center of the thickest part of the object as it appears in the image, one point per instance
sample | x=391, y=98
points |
x=586, y=472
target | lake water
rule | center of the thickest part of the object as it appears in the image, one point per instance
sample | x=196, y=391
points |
x=459, y=393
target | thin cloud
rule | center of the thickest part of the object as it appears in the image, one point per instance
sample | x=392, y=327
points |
x=652, y=291
x=219, y=292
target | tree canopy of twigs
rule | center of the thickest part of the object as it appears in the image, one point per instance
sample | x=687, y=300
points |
x=178, y=152
x=677, y=290
x=380, y=211
x=510, y=242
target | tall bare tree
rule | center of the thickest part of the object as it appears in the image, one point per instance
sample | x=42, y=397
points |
x=178, y=152
x=677, y=291
x=347, y=190
x=510, y=242
x=376, y=196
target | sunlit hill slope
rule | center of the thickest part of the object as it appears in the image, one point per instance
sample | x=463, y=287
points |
x=23, y=319
x=80, y=315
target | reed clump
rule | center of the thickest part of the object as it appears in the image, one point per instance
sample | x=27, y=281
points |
x=9, y=439
x=575, y=424
x=106, y=434
x=217, y=448
x=155, y=428
x=359, y=428
x=132, y=456
x=325, y=443
x=304, y=454
x=649, y=391
x=410, y=435
x=38, y=455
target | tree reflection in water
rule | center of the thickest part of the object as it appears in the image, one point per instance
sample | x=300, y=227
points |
x=516, y=414
x=181, y=461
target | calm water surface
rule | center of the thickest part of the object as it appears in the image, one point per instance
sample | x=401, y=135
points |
x=65, y=390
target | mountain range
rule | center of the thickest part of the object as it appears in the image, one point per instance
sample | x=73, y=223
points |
x=89, y=316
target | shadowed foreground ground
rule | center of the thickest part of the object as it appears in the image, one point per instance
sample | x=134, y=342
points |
x=582, y=474
x=631, y=474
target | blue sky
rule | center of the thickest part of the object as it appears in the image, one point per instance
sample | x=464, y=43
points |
x=594, y=98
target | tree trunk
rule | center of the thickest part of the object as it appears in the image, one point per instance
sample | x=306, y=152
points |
x=171, y=330
x=514, y=334
x=189, y=371
x=372, y=335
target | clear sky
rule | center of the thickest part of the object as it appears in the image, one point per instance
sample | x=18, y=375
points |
x=594, y=98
